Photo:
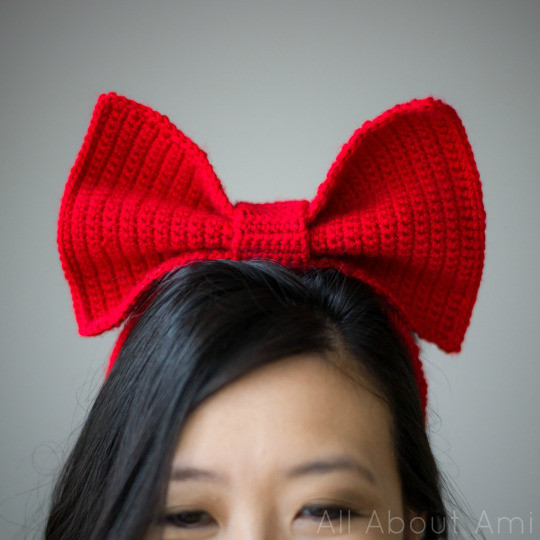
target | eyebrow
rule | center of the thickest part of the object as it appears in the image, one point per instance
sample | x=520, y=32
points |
x=192, y=473
x=319, y=466
x=337, y=463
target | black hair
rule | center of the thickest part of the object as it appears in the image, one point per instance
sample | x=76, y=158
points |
x=199, y=328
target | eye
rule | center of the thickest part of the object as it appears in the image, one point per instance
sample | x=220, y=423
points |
x=328, y=512
x=187, y=519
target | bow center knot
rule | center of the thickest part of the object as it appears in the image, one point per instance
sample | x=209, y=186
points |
x=275, y=230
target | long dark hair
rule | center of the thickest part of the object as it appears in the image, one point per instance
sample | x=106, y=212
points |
x=201, y=327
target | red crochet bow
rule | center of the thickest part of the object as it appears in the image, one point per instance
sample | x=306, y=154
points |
x=401, y=209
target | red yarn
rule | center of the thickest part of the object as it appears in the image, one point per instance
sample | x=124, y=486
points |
x=122, y=336
x=401, y=209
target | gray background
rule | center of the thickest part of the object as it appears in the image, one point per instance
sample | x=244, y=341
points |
x=271, y=91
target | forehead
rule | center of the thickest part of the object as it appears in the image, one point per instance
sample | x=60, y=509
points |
x=289, y=411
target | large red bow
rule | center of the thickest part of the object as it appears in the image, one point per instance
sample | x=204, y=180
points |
x=401, y=209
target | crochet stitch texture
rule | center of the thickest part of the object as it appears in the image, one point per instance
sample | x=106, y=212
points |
x=400, y=209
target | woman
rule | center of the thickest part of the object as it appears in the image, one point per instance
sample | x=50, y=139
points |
x=267, y=382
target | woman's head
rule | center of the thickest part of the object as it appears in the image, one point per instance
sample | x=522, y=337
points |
x=249, y=370
x=294, y=449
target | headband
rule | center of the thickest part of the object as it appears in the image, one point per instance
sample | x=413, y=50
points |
x=400, y=209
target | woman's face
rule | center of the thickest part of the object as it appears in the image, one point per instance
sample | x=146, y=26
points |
x=295, y=449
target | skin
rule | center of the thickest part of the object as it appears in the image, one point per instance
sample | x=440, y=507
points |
x=251, y=435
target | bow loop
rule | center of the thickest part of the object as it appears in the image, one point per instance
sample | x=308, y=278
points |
x=275, y=231
x=403, y=203
x=141, y=196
